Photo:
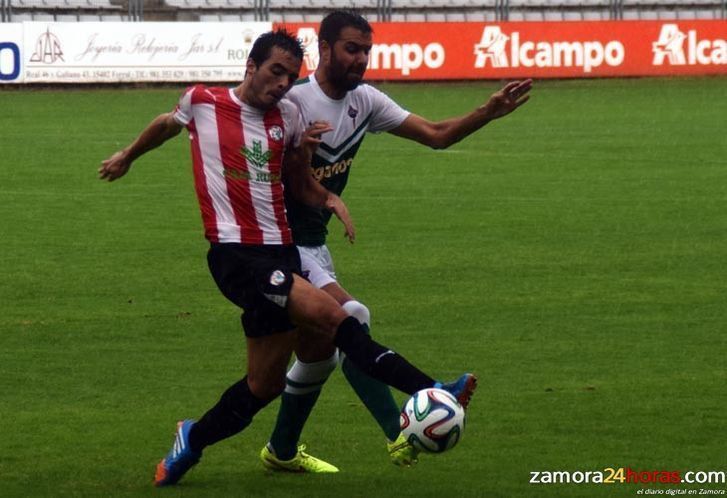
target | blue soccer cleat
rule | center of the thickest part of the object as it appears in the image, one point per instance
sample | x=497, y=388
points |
x=462, y=388
x=180, y=458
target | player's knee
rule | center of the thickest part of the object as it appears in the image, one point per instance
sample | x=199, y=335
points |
x=308, y=377
x=265, y=387
x=359, y=311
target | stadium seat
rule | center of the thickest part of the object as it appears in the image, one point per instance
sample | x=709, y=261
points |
x=439, y=3
x=436, y=17
x=649, y=15
x=292, y=17
x=89, y=18
x=313, y=17
x=483, y=3
x=295, y=4
x=230, y=18
x=480, y=16
x=79, y=4
x=595, y=3
x=54, y=4
x=416, y=17
x=527, y=3
x=113, y=18
x=552, y=15
x=209, y=18
x=592, y=15
x=24, y=16
x=195, y=4
x=43, y=17
x=456, y=17
x=66, y=18
x=104, y=4
x=708, y=14
x=667, y=14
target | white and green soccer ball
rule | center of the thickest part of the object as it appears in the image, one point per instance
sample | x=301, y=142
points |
x=432, y=420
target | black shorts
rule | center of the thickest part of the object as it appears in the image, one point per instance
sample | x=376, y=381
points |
x=258, y=279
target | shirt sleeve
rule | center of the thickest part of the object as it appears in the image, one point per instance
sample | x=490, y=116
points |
x=182, y=113
x=386, y=114
x=294, y=125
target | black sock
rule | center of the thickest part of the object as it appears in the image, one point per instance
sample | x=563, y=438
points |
x=232, y=413
x=378, y=361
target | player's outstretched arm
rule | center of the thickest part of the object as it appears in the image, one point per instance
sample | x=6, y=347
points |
x=442, y=134
x=300, y=181
x=161, y=129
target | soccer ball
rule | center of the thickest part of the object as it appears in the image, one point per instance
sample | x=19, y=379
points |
x=432, y=420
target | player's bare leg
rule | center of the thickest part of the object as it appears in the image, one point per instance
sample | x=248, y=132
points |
x=267, y=359
x=375, y=395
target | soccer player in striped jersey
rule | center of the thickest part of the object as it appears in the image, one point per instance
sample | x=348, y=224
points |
x=244, y=142
x=335, y=93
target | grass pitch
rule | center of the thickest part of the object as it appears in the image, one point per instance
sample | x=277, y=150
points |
x=572, y=254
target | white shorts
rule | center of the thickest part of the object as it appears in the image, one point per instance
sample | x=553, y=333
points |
x=317, y=265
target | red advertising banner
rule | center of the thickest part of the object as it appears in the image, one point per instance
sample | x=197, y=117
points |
x=591, y=49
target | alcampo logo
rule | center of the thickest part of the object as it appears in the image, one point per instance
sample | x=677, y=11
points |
x=495, y=50
x=404, y=57
x=670, y=48
x=309, y=40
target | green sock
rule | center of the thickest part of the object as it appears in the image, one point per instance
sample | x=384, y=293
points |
x=303, y=384
x=377, y=398
x=292, y=416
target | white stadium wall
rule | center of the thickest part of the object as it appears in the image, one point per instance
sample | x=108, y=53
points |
x=118, y=52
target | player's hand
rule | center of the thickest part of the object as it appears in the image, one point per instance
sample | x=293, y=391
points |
x=114, y=167
x=312, y=136
x=509, y=98
x=338, y=207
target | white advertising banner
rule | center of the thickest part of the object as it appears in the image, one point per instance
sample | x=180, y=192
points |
x=11, y=53
x=111, y=52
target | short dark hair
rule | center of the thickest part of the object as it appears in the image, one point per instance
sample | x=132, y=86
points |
x=333, y=24
x=280, y=38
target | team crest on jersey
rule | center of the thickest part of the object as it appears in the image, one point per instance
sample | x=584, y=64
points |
x=277, y=278
x=352, y=113
x=275, y=133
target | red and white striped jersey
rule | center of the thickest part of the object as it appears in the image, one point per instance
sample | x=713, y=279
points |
x=237, y=156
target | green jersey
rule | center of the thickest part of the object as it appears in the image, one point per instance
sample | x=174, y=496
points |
x=362, y=109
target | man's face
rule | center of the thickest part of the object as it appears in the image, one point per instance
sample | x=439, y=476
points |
x=349, y=57
x=273, y=78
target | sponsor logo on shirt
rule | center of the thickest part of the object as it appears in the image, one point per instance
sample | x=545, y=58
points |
x=275, y=133
x=256, y=156
x=329, y=170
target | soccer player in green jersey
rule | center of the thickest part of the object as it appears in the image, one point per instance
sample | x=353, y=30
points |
x=335, y=94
